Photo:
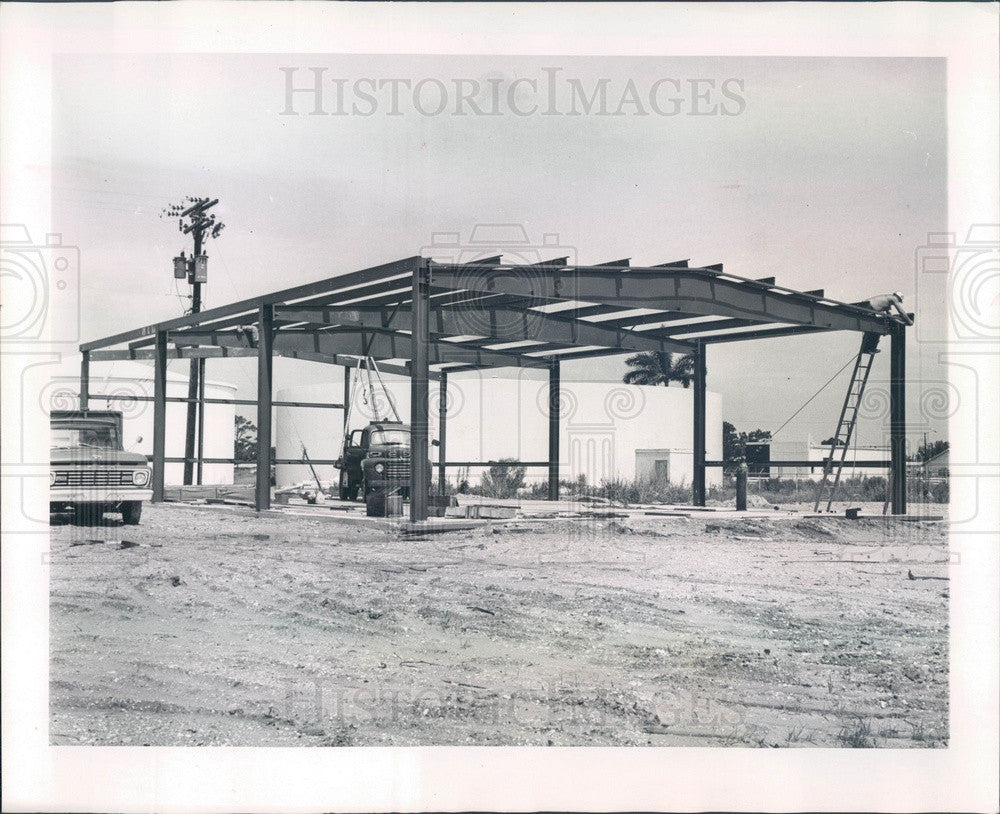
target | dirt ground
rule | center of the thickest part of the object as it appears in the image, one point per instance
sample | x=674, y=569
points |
x=222, y=628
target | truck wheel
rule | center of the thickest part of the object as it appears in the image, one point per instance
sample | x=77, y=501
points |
x=131, y=512
x=345, y=492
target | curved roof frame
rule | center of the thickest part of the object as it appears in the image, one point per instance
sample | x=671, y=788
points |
x=489, y=314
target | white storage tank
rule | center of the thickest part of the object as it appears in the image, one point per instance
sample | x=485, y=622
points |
x=607, y=429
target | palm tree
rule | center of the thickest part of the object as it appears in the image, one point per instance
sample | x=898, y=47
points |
x=659, y=368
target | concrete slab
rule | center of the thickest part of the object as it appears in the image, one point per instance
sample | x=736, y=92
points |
x=440, y=525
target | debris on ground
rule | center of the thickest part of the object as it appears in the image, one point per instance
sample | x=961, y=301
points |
x=308, y=628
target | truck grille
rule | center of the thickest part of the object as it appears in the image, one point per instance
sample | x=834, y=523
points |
x=397, y=470
x=94, y=477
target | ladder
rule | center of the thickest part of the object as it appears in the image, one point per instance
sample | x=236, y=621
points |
x=848, y=418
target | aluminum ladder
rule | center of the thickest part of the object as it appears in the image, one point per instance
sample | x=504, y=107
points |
x=848, y=419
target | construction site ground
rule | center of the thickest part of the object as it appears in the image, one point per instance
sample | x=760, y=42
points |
x=569, y=624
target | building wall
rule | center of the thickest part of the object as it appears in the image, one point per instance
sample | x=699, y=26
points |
x=938, y=466
x=603, y=428
x=807, y=450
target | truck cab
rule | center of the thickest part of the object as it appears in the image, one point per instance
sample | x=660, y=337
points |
x=90, y=471
x=375, y=458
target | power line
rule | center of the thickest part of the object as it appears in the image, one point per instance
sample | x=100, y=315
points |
x=850, y=359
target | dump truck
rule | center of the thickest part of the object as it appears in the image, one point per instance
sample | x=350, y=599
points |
x=91, y=473
x=375, y=458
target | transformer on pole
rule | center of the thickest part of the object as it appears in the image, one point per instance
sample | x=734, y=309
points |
x=193, y=220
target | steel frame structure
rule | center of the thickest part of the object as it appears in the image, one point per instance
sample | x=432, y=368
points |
x=425, y=319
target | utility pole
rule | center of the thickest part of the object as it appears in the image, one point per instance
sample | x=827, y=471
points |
x=194, y=380
x=201, y=226
x=926, y=452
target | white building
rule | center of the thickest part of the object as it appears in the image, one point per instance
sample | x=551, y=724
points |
x=938, y=466
x=125, y=380
x=810, y=450
x=607, y=429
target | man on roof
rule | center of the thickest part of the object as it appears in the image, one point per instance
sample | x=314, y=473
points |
x=887, y=303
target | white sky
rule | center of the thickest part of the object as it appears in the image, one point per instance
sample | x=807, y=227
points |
x=831, y=177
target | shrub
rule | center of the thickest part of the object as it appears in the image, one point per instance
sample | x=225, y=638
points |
x=619, y=490
x=504, y=478
x=857, y=734
x=931, y=491
x=539, y=490
x=644, y=490
x=940, y=492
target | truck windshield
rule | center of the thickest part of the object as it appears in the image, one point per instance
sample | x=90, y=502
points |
x=98, y=436
x=390, y=437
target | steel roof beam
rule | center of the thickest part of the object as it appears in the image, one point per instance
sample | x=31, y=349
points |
x=704, y=327
x=763, y=334
x=697, y=291
x=350, y=361
x=172, y=353
x=377, y=344
x=646, y=319
x=249, y=353
x=495, y=325
x=250, y=306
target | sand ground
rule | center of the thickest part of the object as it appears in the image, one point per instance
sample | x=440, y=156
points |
x=223, y=628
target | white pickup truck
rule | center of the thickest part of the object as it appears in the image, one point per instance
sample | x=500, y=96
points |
x=91, y=473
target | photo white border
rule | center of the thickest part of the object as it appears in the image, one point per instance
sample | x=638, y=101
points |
x=961, y=777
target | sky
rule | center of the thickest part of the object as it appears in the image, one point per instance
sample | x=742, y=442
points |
x=822, y=172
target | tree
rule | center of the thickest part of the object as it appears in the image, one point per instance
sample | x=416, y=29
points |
x=653, y=368
x=246, y=440
x=927, y=451
x=832, y=442
x=732, y=450
x=734, y=444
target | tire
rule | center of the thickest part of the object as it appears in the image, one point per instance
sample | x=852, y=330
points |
x=348, y=490
x=131, y=512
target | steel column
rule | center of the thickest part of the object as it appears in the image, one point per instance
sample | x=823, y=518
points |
x=442, y=430
x=201, y=419
x=159, y=415
x=85, y=381
x=192, y=412
x=698, y=474
x=347, y=396
x=420, y=327
x=265, y=328
x=554, y=397
x=897, y=418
